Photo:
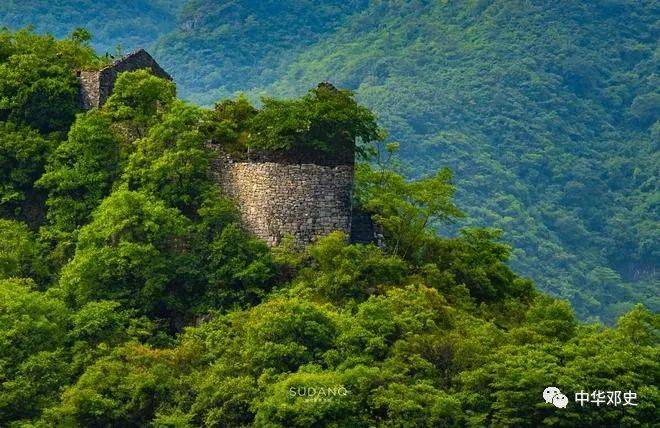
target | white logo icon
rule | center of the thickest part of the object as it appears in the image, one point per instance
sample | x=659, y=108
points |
x=560, y=400
x=553, y=395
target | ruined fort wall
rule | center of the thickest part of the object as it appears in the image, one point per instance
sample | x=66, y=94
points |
x=89, y=89
x=274, y=199
x=305, y=192
x=97, y=86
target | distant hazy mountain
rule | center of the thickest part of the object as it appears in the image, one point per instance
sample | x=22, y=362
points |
x=129, y=24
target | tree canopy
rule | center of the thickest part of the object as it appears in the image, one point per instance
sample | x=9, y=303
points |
x=135, y=296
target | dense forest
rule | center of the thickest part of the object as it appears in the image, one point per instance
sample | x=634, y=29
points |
x=130, y=294
x=546, y=111
x=119, y=26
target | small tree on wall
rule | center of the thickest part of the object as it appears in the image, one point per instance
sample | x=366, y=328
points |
x=326, y=120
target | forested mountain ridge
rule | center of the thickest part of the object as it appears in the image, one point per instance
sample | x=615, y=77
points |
x=546, y=111
x=115, y=24
x=136, y=297
x=220, y=48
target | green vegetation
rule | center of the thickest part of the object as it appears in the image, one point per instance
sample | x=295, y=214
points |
x=118, y=26
x=135, y=298
x=38, y=87
x=325, y=120
x=546, y=112
x=220, y=48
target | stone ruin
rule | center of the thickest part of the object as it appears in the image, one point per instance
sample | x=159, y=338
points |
x=96, y=86
x=305, y=195
x=277, y=197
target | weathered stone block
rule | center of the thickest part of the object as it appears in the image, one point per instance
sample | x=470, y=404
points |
x=304, y=193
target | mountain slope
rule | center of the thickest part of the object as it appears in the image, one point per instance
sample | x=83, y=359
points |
x=227, y=46
x=545, y=112
x=130, y=24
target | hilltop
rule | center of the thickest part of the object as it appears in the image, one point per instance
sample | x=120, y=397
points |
x=133, y=291
x=545, y=111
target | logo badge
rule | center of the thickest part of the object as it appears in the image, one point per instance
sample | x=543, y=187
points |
x=553, y=395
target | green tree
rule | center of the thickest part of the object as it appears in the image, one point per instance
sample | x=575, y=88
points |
x=33, y=334
x=133, y=251
x=81, y=171
x=339, y=272
x=406, y=210
x=79, y=174
x=38, y=86
x=241, y=270
x=325, y=119
x=138, y=99
x=101, y=326
x=228, y=125
x=172, y=161
x=81, y=36
x=19, y=253
x=126, y=388
x=23, y=154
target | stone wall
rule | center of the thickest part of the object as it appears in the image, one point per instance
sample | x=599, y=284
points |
x=274, y=199
x=96, y=86
x=89, y=89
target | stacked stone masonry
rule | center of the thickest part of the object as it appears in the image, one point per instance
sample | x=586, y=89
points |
x=96, y=86
x=274, y=199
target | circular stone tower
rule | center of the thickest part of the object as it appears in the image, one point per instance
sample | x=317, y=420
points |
x=305, y=195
